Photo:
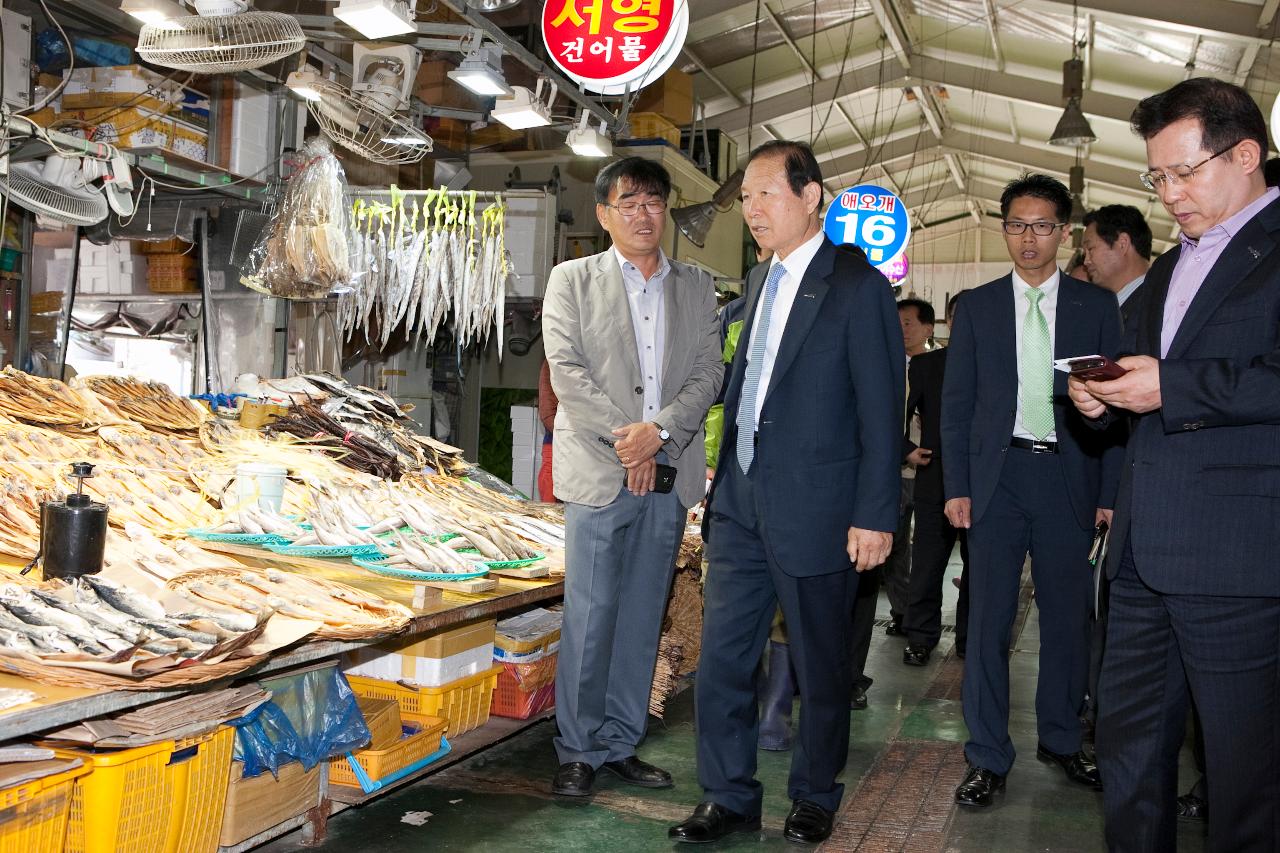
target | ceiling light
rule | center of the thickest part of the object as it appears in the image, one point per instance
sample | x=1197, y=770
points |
x=377, y=19
x=1073, y=128
x=587, y=141
x=153, y=12
x=303, y=84
x=488, y=6
x=411, y=141
x=481, y=72
x=694, y=221
x=524, y=109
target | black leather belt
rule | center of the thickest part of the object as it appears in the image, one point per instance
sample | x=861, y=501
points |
x=1034, y=446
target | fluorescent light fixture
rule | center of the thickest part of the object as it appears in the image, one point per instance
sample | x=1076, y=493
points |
x=377, y=19
x=410, y=141
x=153, y=12
x=303, y=84
x=524, y=109
x=481, y=72
x=586, y=141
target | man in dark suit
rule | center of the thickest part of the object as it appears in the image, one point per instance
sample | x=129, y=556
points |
x=806, y=491
x=1025, y=475
x=1195, y=586
x=934, y=538
x=1117, y=252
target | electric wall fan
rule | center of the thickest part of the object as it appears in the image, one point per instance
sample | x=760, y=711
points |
x=222, y=39
x=55, y=188
x=366, y=118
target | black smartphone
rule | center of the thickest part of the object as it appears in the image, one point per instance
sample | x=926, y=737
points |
x=665, y=480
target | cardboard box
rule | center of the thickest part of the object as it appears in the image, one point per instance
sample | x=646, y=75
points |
x=112, y=86
x=255, y=805
x=139, y=128
x=382, y=716
x=671, y=97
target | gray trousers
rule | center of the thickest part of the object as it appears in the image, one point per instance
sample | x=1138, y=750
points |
x=619, y=559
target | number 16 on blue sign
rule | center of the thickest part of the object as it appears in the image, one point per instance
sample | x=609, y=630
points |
x=872, y=218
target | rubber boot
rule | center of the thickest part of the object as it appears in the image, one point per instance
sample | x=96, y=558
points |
x=777, y=693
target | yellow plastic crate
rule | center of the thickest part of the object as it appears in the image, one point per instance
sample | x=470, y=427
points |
x=419, y=741
x=464, y=703
x=165, y=797
x=33, y=815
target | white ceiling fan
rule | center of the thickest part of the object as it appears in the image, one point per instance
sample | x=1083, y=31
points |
x=55, y=188
x=223, y=38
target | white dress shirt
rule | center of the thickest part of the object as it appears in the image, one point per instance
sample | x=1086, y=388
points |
x=648, y=317
x=1048, y=307
x=1128, y=289
x=797, y=264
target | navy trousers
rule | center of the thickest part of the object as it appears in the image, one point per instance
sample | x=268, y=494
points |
x=1030, y=513
x=743, y=589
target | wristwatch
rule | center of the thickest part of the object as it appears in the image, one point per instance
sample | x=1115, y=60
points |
x=662, y=432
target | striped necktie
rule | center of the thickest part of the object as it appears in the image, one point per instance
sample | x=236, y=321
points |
x=1035, y=370
x=746, y=448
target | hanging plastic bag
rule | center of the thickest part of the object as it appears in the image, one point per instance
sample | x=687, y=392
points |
x=302, y=253
x=311, y=717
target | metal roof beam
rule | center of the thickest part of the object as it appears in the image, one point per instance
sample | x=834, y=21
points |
x=791, y=43
x=901, y=148
x=993, y=24
x=890, y=18
x=1221, y=17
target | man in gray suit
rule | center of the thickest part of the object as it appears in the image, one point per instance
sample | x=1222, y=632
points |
x=633, y=343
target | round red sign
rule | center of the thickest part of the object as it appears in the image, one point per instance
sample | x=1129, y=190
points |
x=611, y=45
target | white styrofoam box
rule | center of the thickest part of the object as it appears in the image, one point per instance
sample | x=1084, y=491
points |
x=424, y=672
x=250, y=122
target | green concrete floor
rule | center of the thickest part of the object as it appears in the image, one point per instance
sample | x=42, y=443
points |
x=498, y=801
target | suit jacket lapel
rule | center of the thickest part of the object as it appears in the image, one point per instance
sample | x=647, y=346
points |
x=1006, y=320
x=753, y=287
x=1251, y=245
x=674, y=319
x=615, y=295
x=804, y=311
x=1155, y=290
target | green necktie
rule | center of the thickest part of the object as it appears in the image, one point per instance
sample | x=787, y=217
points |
x=1035, y=370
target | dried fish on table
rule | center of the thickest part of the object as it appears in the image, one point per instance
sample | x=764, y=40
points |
x=33, y=399
x=152, y=404
x=308, y=420
x=414, y=552
x=257, y=521
x=346, y=612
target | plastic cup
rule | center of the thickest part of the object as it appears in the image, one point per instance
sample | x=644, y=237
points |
x=261, y=482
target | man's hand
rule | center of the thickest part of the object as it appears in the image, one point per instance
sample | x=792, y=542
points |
x=1138, y=390
x=959, y=512
x=637, y=443
x=641, y=477
x=868, y=548
x=1089, y=405
x=919, y=457
x=1102, y=515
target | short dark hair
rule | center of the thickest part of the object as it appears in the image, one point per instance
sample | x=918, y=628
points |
x=924, y=310
x=951, y=304
x=645, y=176
x=1271, y=172
x=802, y=167
x=1112, y=220
x=1226, y=112
x=1039, y=186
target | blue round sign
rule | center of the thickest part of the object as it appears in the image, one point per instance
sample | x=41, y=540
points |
x=872, y=218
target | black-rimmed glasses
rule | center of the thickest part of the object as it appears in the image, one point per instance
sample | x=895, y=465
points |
x=1040, y=229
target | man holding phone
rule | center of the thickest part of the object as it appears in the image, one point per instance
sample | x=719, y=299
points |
x=632, y=341
x=1024, y=476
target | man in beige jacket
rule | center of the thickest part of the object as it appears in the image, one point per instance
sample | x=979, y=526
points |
x=633, y=344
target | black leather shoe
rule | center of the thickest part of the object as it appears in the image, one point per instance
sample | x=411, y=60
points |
x=914, y=655
x=979, y=787
x=808, y=823
x=1078, y=766
x=858, y=700
x=893, y=629
x=633, y=771
x=1191, y=807
x=711, y=822
x=960, y=652
x=573, y=780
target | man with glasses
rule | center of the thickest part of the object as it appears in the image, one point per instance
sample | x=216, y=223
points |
x=631, y=338
x=1024, y=476
x=1195, y=585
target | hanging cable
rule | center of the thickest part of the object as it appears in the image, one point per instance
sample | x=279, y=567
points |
x=755, y=57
